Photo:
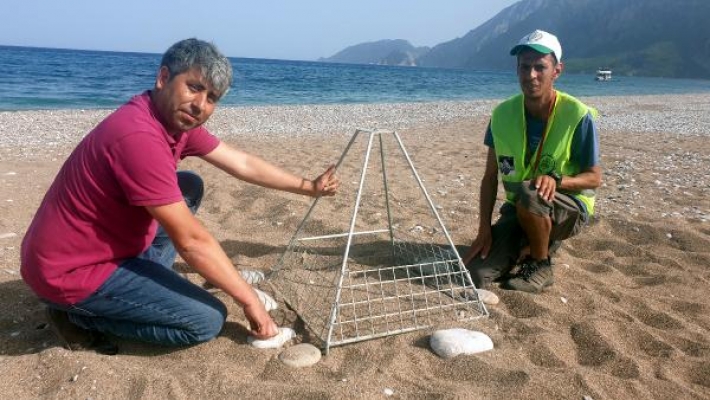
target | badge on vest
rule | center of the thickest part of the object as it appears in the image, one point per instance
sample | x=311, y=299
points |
x=547, y=164
x=506, y=165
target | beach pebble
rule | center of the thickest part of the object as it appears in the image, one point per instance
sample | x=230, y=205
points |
x=284, y=335
x=252, y=276
x=300, y=355
x=447, y=343
x=388, y=392
x=7, y=235
x=488, y=297
x=269, y=303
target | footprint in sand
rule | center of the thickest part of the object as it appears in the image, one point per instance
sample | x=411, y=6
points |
x=687, y=307
x=600, y=268
x=691, y=348
x=542, y=356
x=654, y=318
x=522, y=305
x=594, y=350
x=646, y=341
x=699, y=374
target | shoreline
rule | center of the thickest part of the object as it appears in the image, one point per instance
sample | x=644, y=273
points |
x=647, y=113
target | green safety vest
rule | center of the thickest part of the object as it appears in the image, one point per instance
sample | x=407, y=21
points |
x=510, y=141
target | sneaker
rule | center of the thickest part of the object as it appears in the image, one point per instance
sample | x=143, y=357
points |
x=533, y=277
x=73, y=337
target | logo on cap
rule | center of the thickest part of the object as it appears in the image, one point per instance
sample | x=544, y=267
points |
x=535, y=36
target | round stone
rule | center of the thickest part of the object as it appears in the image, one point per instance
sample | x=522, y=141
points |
x=285, y=334
x=447, y=343
x=300, y=355
x=488, y=297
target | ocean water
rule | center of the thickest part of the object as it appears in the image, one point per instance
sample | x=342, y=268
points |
x=39, y=78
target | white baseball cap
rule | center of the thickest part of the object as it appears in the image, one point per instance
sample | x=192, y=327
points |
x=540, y=41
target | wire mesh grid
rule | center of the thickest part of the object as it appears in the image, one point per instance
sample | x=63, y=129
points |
x=391, y=268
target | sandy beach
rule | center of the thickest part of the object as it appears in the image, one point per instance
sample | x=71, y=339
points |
x=627, y=318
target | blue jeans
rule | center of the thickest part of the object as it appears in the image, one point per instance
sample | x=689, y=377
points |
x=144, y=299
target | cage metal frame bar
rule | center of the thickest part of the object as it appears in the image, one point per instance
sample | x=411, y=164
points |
x=352, y=233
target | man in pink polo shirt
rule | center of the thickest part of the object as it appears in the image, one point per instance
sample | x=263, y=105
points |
x=100, y=249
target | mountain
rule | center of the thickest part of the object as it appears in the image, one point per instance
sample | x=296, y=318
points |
x=632, y=37
x=383, y=52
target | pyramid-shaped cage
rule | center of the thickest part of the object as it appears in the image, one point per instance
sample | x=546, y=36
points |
x=375, y=260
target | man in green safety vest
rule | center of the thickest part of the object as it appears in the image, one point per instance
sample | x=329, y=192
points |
x=543, y=144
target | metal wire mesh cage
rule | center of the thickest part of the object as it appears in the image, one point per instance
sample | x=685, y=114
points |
x=385, y=264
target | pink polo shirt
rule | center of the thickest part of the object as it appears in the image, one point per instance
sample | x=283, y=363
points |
x=93, y=216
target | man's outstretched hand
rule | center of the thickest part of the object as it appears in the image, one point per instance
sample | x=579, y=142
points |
x=327, y=184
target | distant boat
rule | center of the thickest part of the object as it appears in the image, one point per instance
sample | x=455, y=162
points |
x=603, y=75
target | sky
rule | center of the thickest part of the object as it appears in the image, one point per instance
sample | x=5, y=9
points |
x=277, y=29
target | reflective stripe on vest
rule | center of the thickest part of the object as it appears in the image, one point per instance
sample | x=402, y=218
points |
x=510, y=141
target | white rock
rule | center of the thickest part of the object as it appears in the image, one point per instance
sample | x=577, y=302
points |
x=447, y=343
x=251, y=276
x=388, y=392
x=7, y=235
x=269, y=303
x=284, y=335
x=300, y=355
x=488, y=297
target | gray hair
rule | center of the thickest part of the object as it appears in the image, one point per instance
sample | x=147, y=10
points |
x=191, y=53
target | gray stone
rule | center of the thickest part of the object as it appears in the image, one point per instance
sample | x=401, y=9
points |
x=300, y=355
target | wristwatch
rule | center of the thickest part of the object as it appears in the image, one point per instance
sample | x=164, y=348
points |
x=557, y=177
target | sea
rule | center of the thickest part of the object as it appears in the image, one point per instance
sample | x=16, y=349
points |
x=42, y=78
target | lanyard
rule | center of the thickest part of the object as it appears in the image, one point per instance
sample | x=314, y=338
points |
x=544, y=132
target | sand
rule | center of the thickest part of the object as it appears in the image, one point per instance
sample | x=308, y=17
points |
x=628, y=316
